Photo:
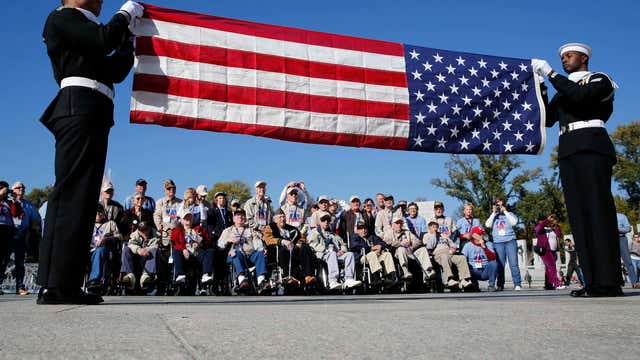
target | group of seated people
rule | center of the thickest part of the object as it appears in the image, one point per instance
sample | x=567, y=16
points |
x=321, y=244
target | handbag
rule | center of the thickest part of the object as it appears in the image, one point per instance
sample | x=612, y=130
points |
x=539, y=250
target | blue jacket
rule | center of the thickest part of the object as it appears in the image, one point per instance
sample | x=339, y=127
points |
x=623, y=225
x=29, y=216
x=417, y=226
x=357, y=243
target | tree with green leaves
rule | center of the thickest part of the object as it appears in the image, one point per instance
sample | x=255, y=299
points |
x=626, y=172
x=38, y=196
x=235, y=189
x=483, y=178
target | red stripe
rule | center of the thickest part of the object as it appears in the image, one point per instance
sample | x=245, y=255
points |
x=264, y=97
x=273, y=31
x=153, y=46
x=274, y=132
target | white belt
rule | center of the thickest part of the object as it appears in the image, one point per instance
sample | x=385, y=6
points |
x=88, y=83
x=581, y=125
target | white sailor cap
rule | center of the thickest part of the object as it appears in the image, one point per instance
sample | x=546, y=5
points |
x=579, y=47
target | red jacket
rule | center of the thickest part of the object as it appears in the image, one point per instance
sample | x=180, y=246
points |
x=177, y=238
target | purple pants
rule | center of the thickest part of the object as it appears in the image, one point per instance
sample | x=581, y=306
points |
x=550, y=271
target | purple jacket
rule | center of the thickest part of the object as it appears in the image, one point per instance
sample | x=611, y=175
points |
x=541, y=233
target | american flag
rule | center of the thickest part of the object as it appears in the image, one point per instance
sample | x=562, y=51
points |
x=210, y=73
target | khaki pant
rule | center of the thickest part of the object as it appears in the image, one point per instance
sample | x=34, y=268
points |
x=445, y=259
x=421, y=255
x=374, y=262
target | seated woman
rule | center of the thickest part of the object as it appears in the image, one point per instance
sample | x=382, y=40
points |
x=191, y=244
x=142, y=247
x=245, y=250
x=106, y=240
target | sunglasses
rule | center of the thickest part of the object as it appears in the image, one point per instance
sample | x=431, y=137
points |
x=173, y=188
x=138, y=198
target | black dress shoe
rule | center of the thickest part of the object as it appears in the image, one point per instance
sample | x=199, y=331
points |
x=597, y=292
x=56, y=297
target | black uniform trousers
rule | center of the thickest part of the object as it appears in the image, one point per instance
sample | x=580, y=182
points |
x=586, y=182
x=81, y=150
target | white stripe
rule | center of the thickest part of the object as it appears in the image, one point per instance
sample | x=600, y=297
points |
x=165, y=66
x=202, y=36
x=264, y=115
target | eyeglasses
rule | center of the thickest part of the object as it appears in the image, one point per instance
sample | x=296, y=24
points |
x=19, y=187
x=171, y=188
x=138, y=198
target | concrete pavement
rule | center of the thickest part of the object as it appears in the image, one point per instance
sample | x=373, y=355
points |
x=531, y=324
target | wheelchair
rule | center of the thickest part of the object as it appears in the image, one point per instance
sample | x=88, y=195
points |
x=273, y=277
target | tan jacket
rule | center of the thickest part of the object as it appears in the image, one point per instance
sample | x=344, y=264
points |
x=438, y=244
x=107, y=229
x=250, y=240
x=252, y=207
x=166, y=215
x=136, y=241
x=394, y=239
x=318, y=242
x=447, y=227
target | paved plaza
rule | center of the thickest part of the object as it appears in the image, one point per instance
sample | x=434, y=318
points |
x=531, y=324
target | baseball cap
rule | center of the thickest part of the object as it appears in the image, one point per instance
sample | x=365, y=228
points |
x=322, y=198
x=438, y=204
x=219, y=193
x=388, y=197
x=259, y=183
x=325, y=217
x=201, y=190
x=141, y=182
x=477, y=230
x=107, y=185
x=292, y=190
x=239, y=212
x=169, y=183
x=235, y=202
x=17, y=184
x=397, y=217
x=354, y=197
x=184, y=212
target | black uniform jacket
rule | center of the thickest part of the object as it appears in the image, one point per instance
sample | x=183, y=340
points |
x=79, y=47
x=589, y=99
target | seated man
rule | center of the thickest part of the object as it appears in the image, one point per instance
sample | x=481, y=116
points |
x=407, y=246
x=443, y=250
x=189, y=243
x=142, y=247
x=330, y=247
x=245, y=250
x=374, y=250
x=293, y=251
x=481, y=258
x=105, y=240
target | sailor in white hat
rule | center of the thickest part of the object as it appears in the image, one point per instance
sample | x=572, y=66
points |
x=582, y=105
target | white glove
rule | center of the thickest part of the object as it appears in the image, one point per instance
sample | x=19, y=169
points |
x=541, y=67
x=133, y=9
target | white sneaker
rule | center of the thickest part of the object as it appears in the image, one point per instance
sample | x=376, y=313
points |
x=181, y=279
x=464, y=283
x=206, y=278
x=144, y=279
x=517, y=288
x=351, y=283
x=452, y=283
x=334, y=285
x=129, y=281
x=561, y=287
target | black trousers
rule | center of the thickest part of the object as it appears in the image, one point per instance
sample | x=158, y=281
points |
x=586, y=182
x=301, y=256
x=81, y=150
x=6, y=237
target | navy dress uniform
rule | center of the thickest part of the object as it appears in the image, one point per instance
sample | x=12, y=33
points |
x=582, y=105
x=87, y=59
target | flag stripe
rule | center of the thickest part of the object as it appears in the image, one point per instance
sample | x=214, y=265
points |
x=153, y=46
x=227, y=40
x=274, y=132
x=273, y=31
x=264, y=97
x=167, y=66
x=269, y=116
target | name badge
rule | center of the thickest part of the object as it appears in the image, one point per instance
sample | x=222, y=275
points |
x=502, y=232
x=17, y=221
x=477, y=264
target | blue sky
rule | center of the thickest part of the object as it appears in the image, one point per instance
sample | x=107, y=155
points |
x=503, y=28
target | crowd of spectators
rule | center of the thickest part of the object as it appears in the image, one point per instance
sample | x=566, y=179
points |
x=233, y=242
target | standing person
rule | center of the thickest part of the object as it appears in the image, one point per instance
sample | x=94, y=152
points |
x=8, y=211
x=416, y=223
x=623, y=229
x=220, y=217
x=582, y=105
x=258, y=208
x=384, y=217
x=445, y=223
x=635, y=253
x=350, y=219
x=166, y=215
x=572, y=265
x=148, y=202
x=87, y=59
x=369, y=215
x=548, y=236
x=296, y=211
x=502, y=223
x=466, y=223
x=23, y=224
